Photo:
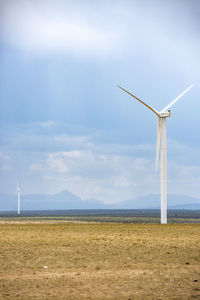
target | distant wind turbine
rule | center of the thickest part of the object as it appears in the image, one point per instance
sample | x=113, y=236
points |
x=161, y=134
x=18, y=197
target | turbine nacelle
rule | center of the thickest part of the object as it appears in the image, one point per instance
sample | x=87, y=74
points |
x=165, y=114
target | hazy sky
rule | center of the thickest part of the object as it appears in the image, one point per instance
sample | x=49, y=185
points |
x=63, y=122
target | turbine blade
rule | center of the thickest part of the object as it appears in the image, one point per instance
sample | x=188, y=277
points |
x=158, y=142
x=152, y=109
x=177, y=98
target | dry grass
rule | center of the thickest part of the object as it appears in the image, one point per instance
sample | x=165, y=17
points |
x=99, y=261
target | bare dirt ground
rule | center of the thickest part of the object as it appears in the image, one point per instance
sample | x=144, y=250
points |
x=99, y=261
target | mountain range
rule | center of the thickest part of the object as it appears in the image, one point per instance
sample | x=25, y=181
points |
x=67, y=200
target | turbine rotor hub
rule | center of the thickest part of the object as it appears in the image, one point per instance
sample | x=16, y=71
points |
x=165, y=114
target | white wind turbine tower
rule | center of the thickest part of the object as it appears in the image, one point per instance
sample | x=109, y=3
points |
x=18, y=197
x=161, y=134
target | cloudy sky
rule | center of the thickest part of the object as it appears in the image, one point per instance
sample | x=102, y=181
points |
x=63, y=122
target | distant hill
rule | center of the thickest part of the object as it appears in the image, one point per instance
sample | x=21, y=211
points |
x=67, y=200
x=186, y=206
x=63, y=200
x=153, y=202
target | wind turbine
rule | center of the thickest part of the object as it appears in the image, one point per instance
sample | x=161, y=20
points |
x=18, y=197
x=161, y=134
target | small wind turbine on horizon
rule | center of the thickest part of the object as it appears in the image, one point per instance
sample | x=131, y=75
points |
x=18, y=197
x=161, y=135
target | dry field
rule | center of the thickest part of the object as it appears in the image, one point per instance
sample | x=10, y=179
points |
x=99, y=261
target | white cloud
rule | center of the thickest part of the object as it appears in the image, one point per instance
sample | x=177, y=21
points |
x=5, y=162
x=114, y=173
x=184, y=179
x=47, y=28
x=121, y=31
x=44, y=142
x=87, y=167
x=47, y=124
x=107, y=177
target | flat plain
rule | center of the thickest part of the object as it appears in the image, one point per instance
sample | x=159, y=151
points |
x=81, y=260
